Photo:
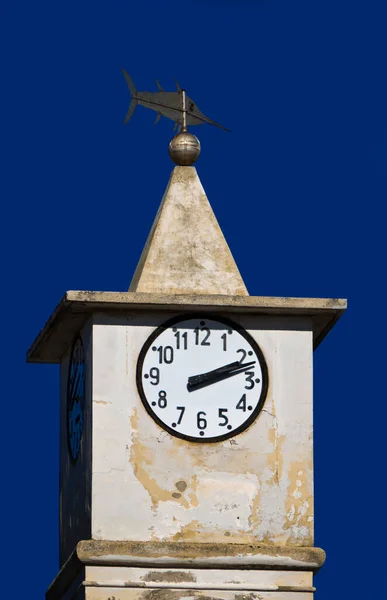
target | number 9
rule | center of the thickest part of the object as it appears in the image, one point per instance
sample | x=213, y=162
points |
x=154, y=374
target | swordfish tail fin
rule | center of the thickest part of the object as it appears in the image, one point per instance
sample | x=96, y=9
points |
x=133, y=102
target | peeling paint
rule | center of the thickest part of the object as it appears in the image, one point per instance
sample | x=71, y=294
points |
x=187, y=533
x=181, y=486
x=170, y=576
x=275, y=459
x=299, y=503
x=253, y=519
x=141, y=459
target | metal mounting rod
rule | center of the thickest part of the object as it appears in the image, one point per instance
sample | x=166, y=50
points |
x=184, y=111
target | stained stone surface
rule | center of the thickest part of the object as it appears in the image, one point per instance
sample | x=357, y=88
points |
x=186, y=252
x=106, y=570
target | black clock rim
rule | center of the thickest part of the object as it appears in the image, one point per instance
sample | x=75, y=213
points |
x=73, y=459
x=225, y=321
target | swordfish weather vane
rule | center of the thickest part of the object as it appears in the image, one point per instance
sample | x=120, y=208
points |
x=184, y=148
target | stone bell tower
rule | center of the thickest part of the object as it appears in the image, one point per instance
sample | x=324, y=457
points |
x=186, y=434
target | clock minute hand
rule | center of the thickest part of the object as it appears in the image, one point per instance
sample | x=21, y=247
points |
x=198, y=381
x=204, y=376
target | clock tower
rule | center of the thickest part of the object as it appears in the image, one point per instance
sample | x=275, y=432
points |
x=186, y=434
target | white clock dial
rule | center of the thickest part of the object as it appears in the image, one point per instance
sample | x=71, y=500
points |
x=201, y=378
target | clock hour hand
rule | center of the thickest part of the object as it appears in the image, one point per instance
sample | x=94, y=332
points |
x=198, y=381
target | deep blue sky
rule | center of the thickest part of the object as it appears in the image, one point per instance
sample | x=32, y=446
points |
x=299, y=188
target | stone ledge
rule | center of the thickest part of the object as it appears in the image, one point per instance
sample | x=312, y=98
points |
x=200, y=555
x=183, y=555
x=76, y=306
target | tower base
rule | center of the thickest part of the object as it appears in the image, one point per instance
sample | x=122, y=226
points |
x=99, y=570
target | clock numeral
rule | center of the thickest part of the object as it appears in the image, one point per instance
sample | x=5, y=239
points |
x=249, y=379
x=244, y=353
x=162, y=402
x=201, y=422
x=165, y=355
x=242, y=403
x=204, y=340
x=182, y=411
x=223, y=416
x=224, y=338
x=184, y=338
x=154, y=374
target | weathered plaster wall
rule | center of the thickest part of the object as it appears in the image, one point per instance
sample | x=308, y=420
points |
x=113, y=593
x=204, y=584
x=196, y=579
x=256, y=488
x=75, y=479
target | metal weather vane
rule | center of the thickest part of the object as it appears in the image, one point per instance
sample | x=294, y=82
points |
x=184, y=148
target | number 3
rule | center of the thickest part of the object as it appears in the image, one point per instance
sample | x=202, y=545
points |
x=249, y=379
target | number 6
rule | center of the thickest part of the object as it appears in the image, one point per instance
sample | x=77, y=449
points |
x=202, y=423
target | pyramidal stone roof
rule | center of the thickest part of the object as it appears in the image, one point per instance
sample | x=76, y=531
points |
x=185, y=266
x=186, y=252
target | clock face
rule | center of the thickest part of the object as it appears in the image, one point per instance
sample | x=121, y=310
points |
x=75, y=399
x=202, y=379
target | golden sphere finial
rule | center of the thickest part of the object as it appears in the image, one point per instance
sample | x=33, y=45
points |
x=184, y=149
